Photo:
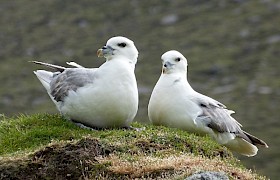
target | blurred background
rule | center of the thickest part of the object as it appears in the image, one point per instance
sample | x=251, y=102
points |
x=233, y=49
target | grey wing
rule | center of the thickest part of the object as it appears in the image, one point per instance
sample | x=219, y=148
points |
x=70, y=80
x=217, y=117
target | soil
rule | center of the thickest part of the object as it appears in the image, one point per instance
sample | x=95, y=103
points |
x=71, y=161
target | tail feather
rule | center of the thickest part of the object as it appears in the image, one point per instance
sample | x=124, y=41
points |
x=256, y=141
x=242, y=146
x=246, y=144
x=55, y=67
x=74, y=64
x=45, y=78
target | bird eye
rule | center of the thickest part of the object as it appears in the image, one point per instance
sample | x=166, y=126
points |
x=122, y=44
x=178, y=59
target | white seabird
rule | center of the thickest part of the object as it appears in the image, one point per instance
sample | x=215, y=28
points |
x=174, y=103
x=101, y=97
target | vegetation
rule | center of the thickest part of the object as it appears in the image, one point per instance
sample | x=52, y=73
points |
x=232, y=48
x=46, y=146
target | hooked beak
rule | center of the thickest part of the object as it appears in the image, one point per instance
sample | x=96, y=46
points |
x=106, y=50
x=167, y=65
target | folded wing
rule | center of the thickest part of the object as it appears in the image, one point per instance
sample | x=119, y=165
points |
x=217, y=117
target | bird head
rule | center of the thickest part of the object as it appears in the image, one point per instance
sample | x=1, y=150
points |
x=173, y=62
x=119, y=46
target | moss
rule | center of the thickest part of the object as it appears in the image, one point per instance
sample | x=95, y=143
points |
x=48, y=146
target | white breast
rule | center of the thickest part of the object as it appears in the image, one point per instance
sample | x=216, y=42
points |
x=169, y=107
x=111, y=101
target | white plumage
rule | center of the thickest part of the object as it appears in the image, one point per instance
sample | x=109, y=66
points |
x=97, y=97
x=174, y=103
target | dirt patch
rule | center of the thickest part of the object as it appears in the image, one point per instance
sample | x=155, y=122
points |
x=172, y=167
x=149, y=147
x=70, y=161
x=90, y=158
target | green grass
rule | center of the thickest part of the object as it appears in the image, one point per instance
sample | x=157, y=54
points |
x=30, y=132
x=31, y=141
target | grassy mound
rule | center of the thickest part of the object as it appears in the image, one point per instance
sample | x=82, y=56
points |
x=50, y=147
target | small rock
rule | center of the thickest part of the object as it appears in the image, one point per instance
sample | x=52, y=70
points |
x=169, y=19
x=208, y=175
x=30, y=51
x=254, y=19
x=264, y=90
x=273, y=39
x=144, y=89
x=82, y=23
x=244, y=33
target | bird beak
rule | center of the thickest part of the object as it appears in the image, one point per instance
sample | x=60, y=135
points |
x=163, y=70
x=106, y=50
x=99, y=53
x=167, y=65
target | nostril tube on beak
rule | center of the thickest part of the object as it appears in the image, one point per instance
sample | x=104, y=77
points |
x=168, y=64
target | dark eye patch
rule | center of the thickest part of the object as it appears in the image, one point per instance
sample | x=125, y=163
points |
x=203, y=105
x=122, y=44
x=178, y=59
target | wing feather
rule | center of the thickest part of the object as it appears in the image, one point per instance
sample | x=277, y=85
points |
x=52, y=66
x=217, y=116
x=70, y=80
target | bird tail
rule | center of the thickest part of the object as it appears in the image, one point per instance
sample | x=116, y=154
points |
x=55, y=67
x=74, y=64
x=45, y=78
x=246, y=144
x=256, y=141
x=242, y=146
